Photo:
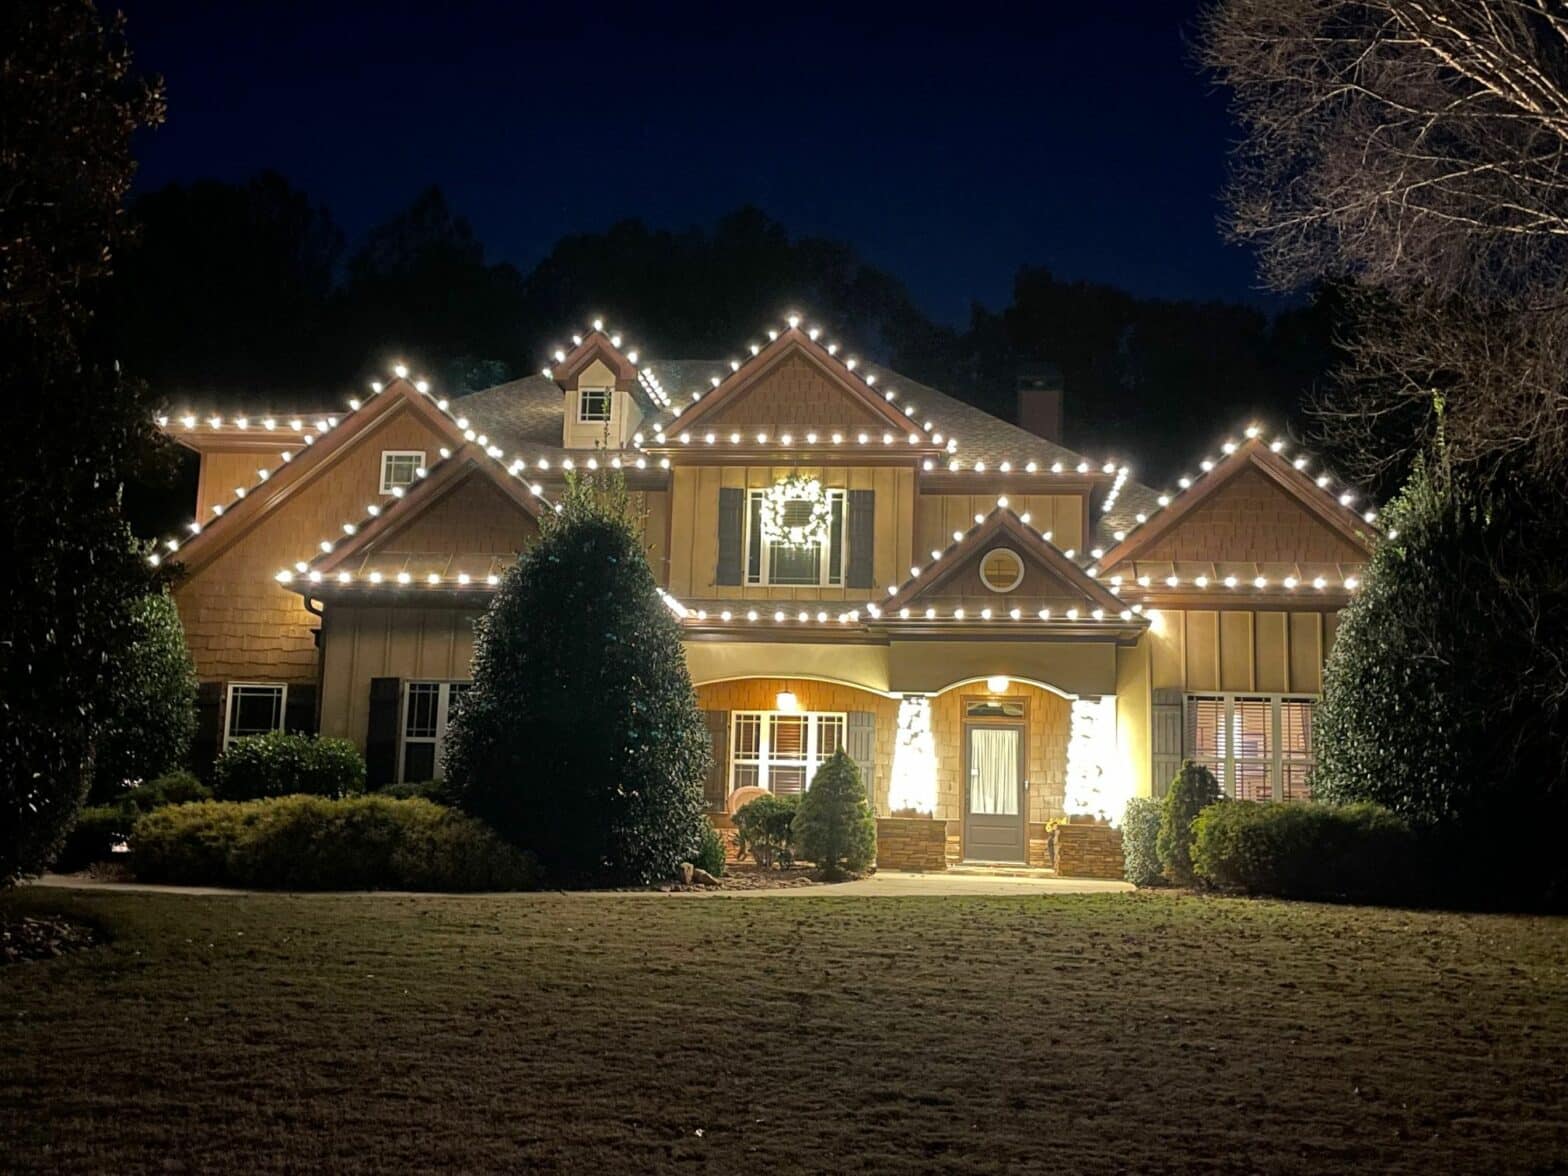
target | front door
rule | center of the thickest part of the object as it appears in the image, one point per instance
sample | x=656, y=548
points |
x=994, y=810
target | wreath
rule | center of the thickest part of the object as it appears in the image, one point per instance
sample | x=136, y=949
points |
x=814, y=531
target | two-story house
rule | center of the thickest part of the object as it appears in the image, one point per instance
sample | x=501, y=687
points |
x=1000, y=630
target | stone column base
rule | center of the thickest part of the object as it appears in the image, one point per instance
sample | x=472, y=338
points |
x=1085, y=849
x=911, y=843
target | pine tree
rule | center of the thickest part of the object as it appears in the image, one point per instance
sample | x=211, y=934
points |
x=581, y=740
x=834, y=827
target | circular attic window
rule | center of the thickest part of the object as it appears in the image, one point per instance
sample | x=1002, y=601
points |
x=1001, y=570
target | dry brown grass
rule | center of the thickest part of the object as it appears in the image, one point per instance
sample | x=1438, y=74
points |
x=1108, y=1032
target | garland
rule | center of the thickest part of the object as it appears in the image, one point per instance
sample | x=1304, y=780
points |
x=815, y=531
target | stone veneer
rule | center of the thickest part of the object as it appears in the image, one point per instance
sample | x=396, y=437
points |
x=1082, y=848
x=911, y=843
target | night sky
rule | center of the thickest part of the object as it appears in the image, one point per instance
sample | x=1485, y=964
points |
x=949, y=155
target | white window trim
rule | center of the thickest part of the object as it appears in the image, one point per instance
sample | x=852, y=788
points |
x=609, y=405
x=764, y=760
x=835, y=495
x=228, y=709
x=443, y=716
x=1018, y=569
x=419, y=464
x=1276, y=760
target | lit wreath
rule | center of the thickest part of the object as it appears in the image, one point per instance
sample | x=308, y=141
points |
x=815, y=531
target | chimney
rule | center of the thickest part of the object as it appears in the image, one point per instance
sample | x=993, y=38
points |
x=1040, y=400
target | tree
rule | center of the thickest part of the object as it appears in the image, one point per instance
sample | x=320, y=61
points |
x=1193, y=789
x=69, y=105
x=834, y=826
x=581, y=739
x=1414, y=149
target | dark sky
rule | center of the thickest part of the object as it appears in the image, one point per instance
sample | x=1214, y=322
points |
x=1078, y=137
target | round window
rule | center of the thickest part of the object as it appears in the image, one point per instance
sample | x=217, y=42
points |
x=1001, y=569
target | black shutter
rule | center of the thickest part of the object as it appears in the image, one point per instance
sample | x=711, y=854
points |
x=732, y=501
x=299, y=718
x=862, y=537
x=715, y=788
x=860, y=741
x=209, y=729
x=381, y=732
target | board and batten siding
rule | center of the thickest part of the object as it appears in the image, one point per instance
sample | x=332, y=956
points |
x=694, y=528
x=937, y=516
x=1270, y=652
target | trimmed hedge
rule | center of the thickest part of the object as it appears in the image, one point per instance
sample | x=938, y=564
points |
x=99, y=828
x=1355, y=852
x=765, y=829
x=1192, y=790
x=280, y=764
x=317, y=843
x=1140, y=836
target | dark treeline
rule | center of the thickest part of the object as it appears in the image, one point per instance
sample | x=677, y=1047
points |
x=251, y=296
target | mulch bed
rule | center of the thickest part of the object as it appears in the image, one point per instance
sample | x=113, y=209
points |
x=25, y=939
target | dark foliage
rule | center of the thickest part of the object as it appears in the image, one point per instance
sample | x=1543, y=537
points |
x=101, y=827
x=765, y=829
x=710, y=853
x=1192, y=790
x=69, y=105
x=315, y=843
x=150, y=717
x=1444, y=697
x=1140, y=841
x=581, y=739
x=1351, y=853
x=427, y=789
x=833, y=826
x=280, y=764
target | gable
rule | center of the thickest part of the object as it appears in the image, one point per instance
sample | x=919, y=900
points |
x=796, y=392
x=475, y=517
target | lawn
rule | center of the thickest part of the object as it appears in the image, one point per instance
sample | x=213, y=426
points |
x=1084, y=1033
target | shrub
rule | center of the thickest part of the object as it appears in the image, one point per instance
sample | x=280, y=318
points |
x=710, y=851
x=424, y=789
x=151, y=715
x=175, y=788
x=581, y=739
x=833, y=826
x=1192, y=790
x=765, y=829
x=98, y=829
x=1140, y=837
x=1358, y=852
x=316, y=843
x=1445, y=698
x=279, y=764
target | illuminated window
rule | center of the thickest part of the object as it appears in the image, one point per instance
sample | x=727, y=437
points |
x=593, y=405
x=255, y=708
x=781, y=750
x=1258, y=745
x=428, y=708
x=399, y=468
x=797, y=564
x=1001, y=570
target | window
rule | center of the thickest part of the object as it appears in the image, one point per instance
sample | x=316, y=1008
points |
x=785, y=563
x=428, y=708
x=593, y=405
x=781, y=750
x=1001, y=570
x=399, y=468
x=255, y=708
x=1258, y=745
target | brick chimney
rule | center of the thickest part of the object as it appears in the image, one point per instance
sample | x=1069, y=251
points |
x=1040, y=400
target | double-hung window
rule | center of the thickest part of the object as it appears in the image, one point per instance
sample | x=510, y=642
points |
x=399, y=468
x=781, y=750
x=254, y=708
x=593, y=405
x=804, y=565
x=1258, y=745
x=428, y=708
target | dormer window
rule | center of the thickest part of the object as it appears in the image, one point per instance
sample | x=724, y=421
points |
x=593, y=405
x=399, y=468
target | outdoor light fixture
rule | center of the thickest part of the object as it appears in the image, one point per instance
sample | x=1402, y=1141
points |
x=996, y=683
x=786, y=701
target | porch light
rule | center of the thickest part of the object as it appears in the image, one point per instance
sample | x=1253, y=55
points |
x=996, y=683
x=786, y=701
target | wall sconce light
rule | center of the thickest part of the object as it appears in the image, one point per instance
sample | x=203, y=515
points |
x=996, y=683
x=786, y=701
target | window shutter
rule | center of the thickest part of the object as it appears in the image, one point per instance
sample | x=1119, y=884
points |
x=1167, y=739
x=860, y=741
x=299, y=717
x=862, y=538
x=715, y=789
x=381, y=731
x=732, y=501
x=209, y=728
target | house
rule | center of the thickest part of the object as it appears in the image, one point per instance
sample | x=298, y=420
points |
x=1004, y=633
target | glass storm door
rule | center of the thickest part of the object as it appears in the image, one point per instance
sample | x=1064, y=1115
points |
x=994, y=816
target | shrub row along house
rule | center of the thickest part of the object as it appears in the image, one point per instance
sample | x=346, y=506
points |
x=1002, y=632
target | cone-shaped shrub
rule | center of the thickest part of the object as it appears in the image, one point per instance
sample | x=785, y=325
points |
x=581, y=740
x=833, y=826
x=151, y=716
x=1193, y=790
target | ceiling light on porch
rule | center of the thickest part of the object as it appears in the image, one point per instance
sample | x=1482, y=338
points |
x=786, y=701
x=996, y=683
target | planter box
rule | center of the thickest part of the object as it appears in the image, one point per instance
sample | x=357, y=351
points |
x=1084, y=848
x=911, y=843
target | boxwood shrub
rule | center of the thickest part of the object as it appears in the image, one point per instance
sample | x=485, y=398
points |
x=1140, y=833
x=764, y=828
x=319, y=843
x=279, y=764
x=1192, y=790
x=1355, y=852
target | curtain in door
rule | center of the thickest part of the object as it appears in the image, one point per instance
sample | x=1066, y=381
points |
x=993, y=772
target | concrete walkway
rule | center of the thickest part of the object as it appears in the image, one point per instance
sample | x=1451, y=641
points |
x=883, y=884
